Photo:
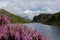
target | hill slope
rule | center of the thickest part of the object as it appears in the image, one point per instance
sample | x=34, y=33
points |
x=50, y=19
x=13, y=18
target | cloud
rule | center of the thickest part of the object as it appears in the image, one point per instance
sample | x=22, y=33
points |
x=29, y=7
x=29, y=11
x=3, y=4
x=30, y=14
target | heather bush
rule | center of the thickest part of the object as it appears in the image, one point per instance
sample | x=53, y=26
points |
x=10, y=31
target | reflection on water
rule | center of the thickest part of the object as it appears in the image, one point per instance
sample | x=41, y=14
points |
x=51, y=31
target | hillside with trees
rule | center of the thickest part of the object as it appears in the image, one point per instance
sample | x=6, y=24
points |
x=50, y=19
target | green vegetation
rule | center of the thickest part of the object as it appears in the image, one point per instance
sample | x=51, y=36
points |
x=13, y=18
x=50, y=19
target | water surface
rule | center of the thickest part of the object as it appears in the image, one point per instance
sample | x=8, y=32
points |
x=52, y=32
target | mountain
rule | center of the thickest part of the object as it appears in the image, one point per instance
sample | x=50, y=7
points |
x=26, y=18
x=50, y=19
x=13, y=18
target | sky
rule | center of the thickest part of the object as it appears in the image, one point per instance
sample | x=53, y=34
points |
x=30, y=8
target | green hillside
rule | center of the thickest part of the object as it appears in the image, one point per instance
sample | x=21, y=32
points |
x=13, y=18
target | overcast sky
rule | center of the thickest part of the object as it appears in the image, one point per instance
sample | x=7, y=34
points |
x=30, y=8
